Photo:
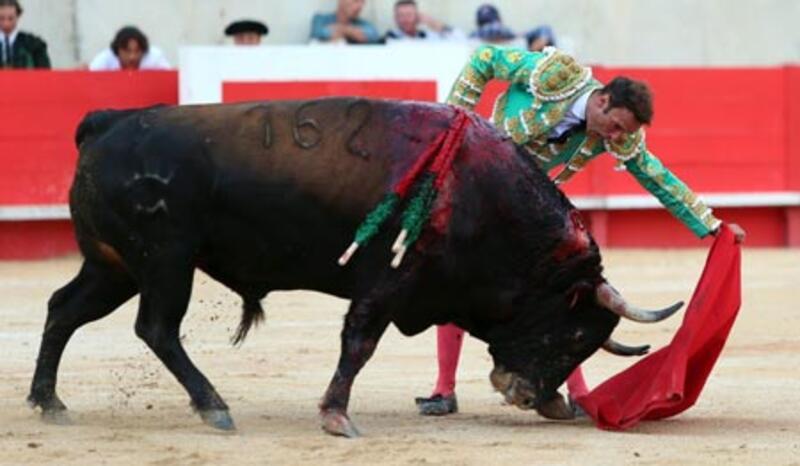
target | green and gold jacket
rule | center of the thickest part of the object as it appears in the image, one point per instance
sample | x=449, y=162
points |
x=543, y=87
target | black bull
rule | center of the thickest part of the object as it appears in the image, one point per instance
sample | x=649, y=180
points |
x=267, y=196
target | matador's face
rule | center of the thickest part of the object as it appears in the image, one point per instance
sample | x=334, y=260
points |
x=611, y=124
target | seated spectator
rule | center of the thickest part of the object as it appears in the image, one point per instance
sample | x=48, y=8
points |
x=490, y=28
x=408, y=20
x=344, y=25
x=540, y=38
x=130, y=50
x=246, y=32
x=19, y=49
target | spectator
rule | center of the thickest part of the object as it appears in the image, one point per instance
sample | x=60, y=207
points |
x=344, y=25
x=408, y=19
x=19, y=49
x=247, y=32
x=540, y=38
x=490, y=28
x=130, y=50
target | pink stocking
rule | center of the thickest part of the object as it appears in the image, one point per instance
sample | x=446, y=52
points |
x=448, y=346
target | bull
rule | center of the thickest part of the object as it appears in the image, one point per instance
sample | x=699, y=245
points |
x=265, y=196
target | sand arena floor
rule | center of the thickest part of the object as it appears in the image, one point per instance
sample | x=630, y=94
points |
x=129, y=410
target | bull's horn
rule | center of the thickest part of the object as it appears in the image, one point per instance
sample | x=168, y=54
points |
x=619, y=349
x=610, y=298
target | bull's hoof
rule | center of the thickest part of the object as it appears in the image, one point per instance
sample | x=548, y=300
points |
x=58, y=417
x=337, y=423
x=218, y=419
x=556, y=409
x=54, y=411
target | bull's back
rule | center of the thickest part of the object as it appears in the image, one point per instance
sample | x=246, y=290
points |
x=256, y=186
x=345, y=152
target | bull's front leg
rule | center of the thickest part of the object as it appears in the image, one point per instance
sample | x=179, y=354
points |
x=364, y=324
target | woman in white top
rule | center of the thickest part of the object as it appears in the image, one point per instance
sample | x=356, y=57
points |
x=130, y=50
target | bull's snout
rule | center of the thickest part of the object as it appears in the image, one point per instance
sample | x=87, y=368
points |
x=516, y=390
x=520, y=393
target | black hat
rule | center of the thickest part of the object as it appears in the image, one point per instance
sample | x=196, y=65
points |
x=247, y=25
x=487, y=13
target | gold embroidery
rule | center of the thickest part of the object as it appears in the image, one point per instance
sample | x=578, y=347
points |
x=514, y=130
x=499, y=107
x=472, y=76
x=556, y=112
x=629, y=147
x=558, y=77
x=513, y=56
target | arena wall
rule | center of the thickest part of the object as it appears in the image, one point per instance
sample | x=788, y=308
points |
x=738, y=149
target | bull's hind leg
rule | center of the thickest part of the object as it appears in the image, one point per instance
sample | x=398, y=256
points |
x=94, y=293
x=165, y=291
x=363, y=326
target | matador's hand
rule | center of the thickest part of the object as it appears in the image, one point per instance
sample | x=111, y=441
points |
x=738, y=232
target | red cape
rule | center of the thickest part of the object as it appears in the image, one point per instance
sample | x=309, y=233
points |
x=670, y=380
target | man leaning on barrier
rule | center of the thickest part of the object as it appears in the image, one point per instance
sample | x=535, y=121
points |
x=565, y=118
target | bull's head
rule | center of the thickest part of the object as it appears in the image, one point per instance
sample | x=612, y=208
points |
x=543, y=351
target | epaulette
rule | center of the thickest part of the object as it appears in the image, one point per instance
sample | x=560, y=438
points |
x=628, y=147
x=558, y=76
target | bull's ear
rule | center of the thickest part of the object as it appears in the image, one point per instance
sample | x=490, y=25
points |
x=577, y=292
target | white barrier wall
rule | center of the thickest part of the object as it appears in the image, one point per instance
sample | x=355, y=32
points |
x=612, y=32
x=204, y=69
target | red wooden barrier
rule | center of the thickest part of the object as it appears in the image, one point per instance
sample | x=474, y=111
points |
x=39, y=111
x=720, y=130
x=792, y=166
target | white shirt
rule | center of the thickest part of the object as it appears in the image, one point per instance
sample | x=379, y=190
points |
x=154, y=59
x=426, y=35
x=573, y=117
x=11, y=38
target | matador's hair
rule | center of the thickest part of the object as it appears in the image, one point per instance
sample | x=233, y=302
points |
x=633, y=95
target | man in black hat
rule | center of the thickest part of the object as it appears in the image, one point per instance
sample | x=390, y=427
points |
x=19, y=49
x=247, y=32
x=490, y=27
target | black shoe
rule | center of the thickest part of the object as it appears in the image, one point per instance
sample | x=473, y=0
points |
x=576, y=408
x=437, y=405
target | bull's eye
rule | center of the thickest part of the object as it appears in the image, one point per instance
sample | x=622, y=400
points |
x=579, y=335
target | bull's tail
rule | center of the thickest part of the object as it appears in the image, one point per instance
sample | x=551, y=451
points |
x=252, y=313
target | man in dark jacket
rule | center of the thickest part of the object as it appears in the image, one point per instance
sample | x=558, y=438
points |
x=19, y=49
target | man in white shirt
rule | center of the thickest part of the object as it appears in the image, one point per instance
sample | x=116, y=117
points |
x=408, y=19
x=130, y=50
